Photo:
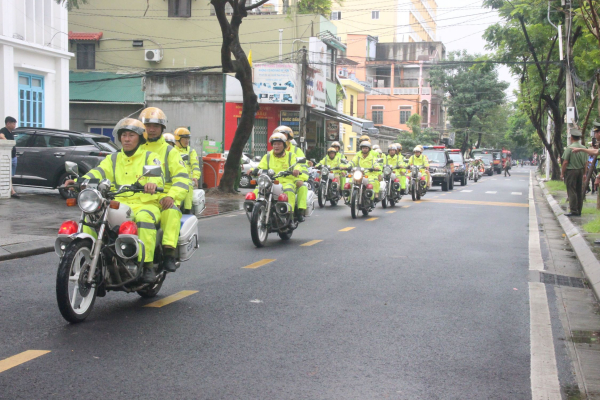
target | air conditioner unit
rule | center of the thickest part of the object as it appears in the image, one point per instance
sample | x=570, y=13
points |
x=343, y=73
x=153, y=55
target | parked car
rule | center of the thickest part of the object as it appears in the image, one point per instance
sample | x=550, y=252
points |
x=247, y=165
x=42, y=152
x=441, y=167
x=460, y=167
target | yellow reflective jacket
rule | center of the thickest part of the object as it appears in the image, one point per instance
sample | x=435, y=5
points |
x=422, y=160
x=177, y=179
x=303, y=168
x=395, y=162
x=278, y=164
x=192, y=165
x=121, y=170
x=335, y=163
x=370, y=161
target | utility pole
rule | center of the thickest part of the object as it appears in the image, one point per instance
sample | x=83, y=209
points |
x=570, y=103
x=302, y=122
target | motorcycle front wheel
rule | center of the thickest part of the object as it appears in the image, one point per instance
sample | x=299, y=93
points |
x=392, y=203
x=74, y=296
x=413, y=192
x=321, y=196
x=258, y=229
x=354, y=204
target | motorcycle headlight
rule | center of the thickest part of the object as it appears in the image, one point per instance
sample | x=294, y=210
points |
x=324, y=172
x=89, y=200
x=358, y=175
x=387, y=170
x=264, y=181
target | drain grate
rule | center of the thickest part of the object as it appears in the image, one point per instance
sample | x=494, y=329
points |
x=561, y=280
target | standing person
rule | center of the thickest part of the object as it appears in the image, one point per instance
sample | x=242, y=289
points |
x=6, y=134
x=507, y=165
x=572, y=171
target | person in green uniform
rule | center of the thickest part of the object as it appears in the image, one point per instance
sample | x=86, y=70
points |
x=572, y=171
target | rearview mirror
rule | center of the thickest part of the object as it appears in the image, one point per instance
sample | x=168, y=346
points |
x=406, y=160
x=344, y=161
x=185, y=157
x=153, y=171
x=380, y=160
x=72, y=168
x=257, y=158
x=301, y=160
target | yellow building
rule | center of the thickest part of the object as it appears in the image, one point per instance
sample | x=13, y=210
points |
x=397, y=21
x=350, y=107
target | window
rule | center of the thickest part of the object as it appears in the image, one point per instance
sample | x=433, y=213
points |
x=23, y=139
x=31, y=100
x=351, y=142
x=405, y=112
x=86, y=55
x=336, y=15
x=103, y=130
x=79, y=141
x=377, y=114
x=180, y=8
x=374, y=14
x=50, y=141
x=352, y=105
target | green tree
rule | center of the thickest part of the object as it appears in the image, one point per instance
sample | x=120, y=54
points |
x=70, y=4
x=471, y=92
x=322, y=7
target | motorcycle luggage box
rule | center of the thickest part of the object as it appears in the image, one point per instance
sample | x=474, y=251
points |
x=198, y=202
x=188, y=237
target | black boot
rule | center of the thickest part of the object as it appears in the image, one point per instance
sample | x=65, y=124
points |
x=169, y=263
x=300, y=215
x=149, y=274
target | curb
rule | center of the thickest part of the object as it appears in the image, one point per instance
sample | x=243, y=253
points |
x=27, y=253
x=591, y=266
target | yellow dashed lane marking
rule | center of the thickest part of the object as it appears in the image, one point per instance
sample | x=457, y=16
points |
x=259, y=263
x=479, y=203
x=171, y=299
x=347, y=229
x=390, y=212
x=311, y=243
x=405, y=206
x=371, y=219
x=21, y=358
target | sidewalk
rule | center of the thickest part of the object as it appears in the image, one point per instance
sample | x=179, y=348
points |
x=29, y=225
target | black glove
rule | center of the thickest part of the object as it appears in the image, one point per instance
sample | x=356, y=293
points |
x=255, y=171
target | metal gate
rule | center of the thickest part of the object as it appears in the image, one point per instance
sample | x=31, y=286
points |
x=257, y=143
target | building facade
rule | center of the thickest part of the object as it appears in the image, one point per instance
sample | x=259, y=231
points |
x=396, y=21
x=34, y=63
x=397, y=79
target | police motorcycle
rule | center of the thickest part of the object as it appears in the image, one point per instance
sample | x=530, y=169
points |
x=390, y=187
x=329, y=185
x=360, y=192
x=313, y=175
x=270, y=211
x=89, y=267
x=417, y=185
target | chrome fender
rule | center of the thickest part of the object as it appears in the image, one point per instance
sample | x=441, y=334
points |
x=62, y=241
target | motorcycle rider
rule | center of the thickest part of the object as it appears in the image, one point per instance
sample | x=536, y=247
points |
x=182, y=144
x=301, y=189
x=396, y=161
x=124, y=168
x=337, y=146
x=177, y=181
x=419, y=159
x=169, y=138
x=279, y=159
x=366, y=159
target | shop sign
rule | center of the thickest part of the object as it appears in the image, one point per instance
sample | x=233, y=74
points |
x=291, y=119
x=315, y=75
x=277, y=83
x=333, y=130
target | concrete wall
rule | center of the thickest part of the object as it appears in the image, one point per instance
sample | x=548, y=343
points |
x=85, y=115
x=192, y=100
x=186, y=42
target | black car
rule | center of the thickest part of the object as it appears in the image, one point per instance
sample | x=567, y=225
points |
x=488, y=161
x=42, y=152
x=460, y=168
x=441, y=167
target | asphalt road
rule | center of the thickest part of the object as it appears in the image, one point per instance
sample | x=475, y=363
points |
x=427, y=300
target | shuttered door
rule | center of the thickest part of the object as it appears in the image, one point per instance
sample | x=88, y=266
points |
x=260, y=137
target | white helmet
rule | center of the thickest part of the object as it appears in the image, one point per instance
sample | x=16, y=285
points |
x=293, y=141
x=169, y=138
x=365, y=144
x=376, y=147
x=417, y=148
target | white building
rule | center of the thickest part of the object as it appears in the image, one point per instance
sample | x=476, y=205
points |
x=34, y=63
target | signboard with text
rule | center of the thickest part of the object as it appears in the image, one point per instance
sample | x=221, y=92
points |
x=277, y=83
x=291, y=119
x=333, y=130
x=315, y=75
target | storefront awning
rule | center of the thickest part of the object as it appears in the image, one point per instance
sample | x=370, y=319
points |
x=359, y=125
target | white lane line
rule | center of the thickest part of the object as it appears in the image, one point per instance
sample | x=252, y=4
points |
x=517, y=193
x=466, y=191
x=544, y=374
x=494, y=179
x=491, y=192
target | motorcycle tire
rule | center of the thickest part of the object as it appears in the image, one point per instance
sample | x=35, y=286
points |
x=285, y=235
x=320, y=197
x=384, y=203
x=258, y=233
x=333, y=202
x=152, y=290
x=75, y=255
x=451, y=185
x=475, y=179
x=392, y=203
x=353, y=204
x=445, y=186
x=413, y=192
x=419, y=194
